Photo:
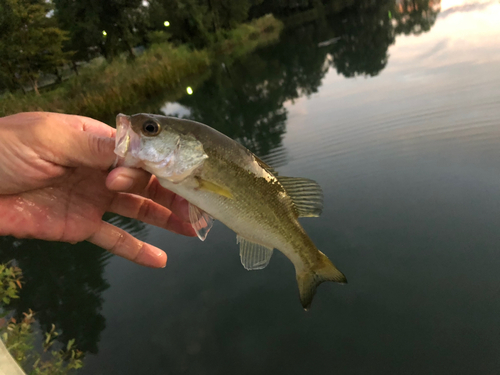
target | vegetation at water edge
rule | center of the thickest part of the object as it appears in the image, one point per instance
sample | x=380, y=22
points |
x=19, y=336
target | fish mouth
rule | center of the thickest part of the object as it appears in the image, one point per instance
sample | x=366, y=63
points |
x=126, y=142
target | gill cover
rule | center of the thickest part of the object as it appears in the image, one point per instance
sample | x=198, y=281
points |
x=184, y=159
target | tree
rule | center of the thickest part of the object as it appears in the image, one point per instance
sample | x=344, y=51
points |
x=81, y=20
x=31, y=42
x=198, y=21
x=125, y=24
x=105, y=27
x=189, y=20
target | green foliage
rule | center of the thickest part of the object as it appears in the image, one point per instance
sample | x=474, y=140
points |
x=198, y=22
x=158, y=37
x=31, y=43
x=81, y=20
x=19, y=337
x=124, y=22
x=10, y=282
x=122, y=83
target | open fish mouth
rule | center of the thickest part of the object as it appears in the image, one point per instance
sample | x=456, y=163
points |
x=126, y=142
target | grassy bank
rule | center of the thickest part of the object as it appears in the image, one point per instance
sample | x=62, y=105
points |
x=103, y=89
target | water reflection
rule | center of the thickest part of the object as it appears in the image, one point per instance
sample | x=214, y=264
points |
x=415, y=16
x=63, y=283
x=246, y=100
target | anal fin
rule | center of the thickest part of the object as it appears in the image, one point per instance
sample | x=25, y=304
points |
x=253, y=256
x=201, y=221
x=306, y=195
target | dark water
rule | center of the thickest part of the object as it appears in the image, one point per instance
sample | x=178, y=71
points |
x=398, y=119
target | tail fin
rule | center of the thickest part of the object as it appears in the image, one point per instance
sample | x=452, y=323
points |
x=309, y=279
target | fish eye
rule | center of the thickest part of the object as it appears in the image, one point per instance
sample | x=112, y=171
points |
x=151, y=128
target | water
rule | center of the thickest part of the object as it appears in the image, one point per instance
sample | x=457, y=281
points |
x=402, y=132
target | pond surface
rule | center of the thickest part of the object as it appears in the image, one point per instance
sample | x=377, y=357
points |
x=398, y=119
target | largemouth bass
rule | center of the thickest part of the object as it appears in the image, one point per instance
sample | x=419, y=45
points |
x=221, y=179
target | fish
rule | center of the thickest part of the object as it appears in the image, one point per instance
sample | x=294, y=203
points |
x=222, y=180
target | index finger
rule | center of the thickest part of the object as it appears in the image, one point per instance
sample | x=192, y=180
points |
x=140, y=182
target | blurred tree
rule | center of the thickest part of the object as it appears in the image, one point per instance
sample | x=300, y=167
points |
x=125, y=24
x=365, y=33
x=198, y=21
x=415, y=16
x=81, y=20
x=188, y=19
x=108, y=27
x=31, y=43
x=280, y=8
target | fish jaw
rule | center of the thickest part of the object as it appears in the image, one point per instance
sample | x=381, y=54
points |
x=127, y=142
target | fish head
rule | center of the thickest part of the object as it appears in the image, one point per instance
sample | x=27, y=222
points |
x=152, y=142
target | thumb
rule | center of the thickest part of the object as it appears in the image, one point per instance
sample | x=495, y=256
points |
x=78, y=148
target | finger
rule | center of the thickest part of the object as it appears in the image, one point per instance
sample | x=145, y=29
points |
x=90, y=125
x=137, y=181
x=131, y=180
x=121, y=243
x=146, y=210
x=167, y=198
x=77, y=148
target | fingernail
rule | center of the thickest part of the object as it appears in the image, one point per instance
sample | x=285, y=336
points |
x=122, y=183
x=154, y=257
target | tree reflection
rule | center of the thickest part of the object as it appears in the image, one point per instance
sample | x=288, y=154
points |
x=365, y=34
x=246, y=100
x=415, y=16
x=63, y=284
x=367, y=30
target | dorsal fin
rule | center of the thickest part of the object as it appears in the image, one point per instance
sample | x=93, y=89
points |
x=306, y=195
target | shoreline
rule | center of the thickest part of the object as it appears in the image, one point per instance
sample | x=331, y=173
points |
x=102, y=90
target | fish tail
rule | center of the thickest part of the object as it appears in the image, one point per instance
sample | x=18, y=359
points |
x=309, y=279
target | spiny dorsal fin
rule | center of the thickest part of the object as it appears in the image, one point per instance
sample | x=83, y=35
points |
x=253, y=256
x=306, y=195
x=265, y=166
x=201, y=221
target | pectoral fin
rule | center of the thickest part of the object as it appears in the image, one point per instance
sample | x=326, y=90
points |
x=214, y=188
x=201, y=221
x=306, y=195
x=253, y=256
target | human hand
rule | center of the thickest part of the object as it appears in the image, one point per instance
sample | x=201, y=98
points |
x=55, y=186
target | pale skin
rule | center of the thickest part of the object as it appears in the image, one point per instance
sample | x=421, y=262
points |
x=55, y=185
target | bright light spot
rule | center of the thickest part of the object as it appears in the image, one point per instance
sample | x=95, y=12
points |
x=104, y=33
x=166, y=23
x=189, y=90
